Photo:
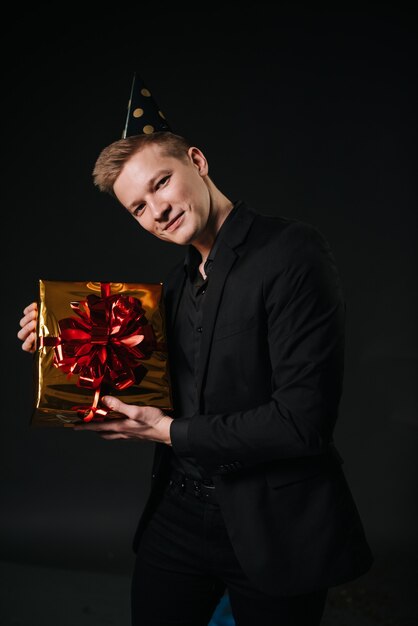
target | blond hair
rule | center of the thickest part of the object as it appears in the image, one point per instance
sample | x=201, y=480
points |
x=112, y=158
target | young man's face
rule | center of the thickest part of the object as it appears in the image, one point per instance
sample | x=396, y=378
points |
x=167, y=196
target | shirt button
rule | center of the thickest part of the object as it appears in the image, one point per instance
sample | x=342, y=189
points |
x=199, y=329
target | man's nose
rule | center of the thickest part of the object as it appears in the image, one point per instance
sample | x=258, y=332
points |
x=159, y=209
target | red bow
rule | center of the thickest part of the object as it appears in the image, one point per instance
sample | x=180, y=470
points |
x=105, y=344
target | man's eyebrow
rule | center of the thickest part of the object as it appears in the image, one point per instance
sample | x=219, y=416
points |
x=150, y=184
x=153, y=180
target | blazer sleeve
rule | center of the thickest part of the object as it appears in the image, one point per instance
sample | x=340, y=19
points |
x=305, y=310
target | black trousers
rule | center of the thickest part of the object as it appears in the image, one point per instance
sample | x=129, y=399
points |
x=185, y=562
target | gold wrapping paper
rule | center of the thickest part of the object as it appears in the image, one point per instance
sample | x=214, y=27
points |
x=57, y=394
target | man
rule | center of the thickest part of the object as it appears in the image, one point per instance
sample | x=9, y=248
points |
x=248, y=492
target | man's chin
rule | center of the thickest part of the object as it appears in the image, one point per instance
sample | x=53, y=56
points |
x=179, y=239
x=183, y=238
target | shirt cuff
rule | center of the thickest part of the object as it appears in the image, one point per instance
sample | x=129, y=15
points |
x=179, y=429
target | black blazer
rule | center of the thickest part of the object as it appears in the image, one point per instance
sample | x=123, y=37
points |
x=270, y=381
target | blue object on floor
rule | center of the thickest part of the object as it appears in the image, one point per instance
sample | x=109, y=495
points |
x=222, y=615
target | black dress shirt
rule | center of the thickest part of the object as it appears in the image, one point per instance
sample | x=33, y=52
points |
x=185, y=347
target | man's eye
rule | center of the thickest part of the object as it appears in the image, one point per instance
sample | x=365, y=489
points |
x=162, y=181
x=138, y=210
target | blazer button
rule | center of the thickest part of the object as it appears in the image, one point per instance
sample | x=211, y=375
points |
x=199, y=329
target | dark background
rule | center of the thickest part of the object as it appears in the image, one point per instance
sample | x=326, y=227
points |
x=303, y=113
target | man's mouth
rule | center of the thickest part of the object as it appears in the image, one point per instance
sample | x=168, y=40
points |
x=172, y=225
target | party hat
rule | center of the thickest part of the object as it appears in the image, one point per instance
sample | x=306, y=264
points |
x=144, y=116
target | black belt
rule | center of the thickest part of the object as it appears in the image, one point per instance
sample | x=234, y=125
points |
x=186, y=484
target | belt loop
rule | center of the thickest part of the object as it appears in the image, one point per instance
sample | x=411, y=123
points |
x=197, y=489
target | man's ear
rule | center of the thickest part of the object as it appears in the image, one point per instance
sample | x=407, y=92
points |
x=199, y=160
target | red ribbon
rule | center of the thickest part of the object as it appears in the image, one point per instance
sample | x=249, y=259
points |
x=106, y=343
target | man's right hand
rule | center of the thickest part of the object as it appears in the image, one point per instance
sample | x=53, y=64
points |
x=27, y=333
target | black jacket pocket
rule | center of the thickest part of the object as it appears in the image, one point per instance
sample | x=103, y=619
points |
x=233, y=328
x=288, y=471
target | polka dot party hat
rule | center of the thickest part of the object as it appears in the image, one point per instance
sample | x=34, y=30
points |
x=143, y=117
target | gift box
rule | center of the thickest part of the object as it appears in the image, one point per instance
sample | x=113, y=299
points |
x=96, y=339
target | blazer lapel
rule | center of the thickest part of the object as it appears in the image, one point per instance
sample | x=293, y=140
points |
x=172, y=294
x=226, y=256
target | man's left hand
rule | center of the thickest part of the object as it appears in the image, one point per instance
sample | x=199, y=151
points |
x=135, y=422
